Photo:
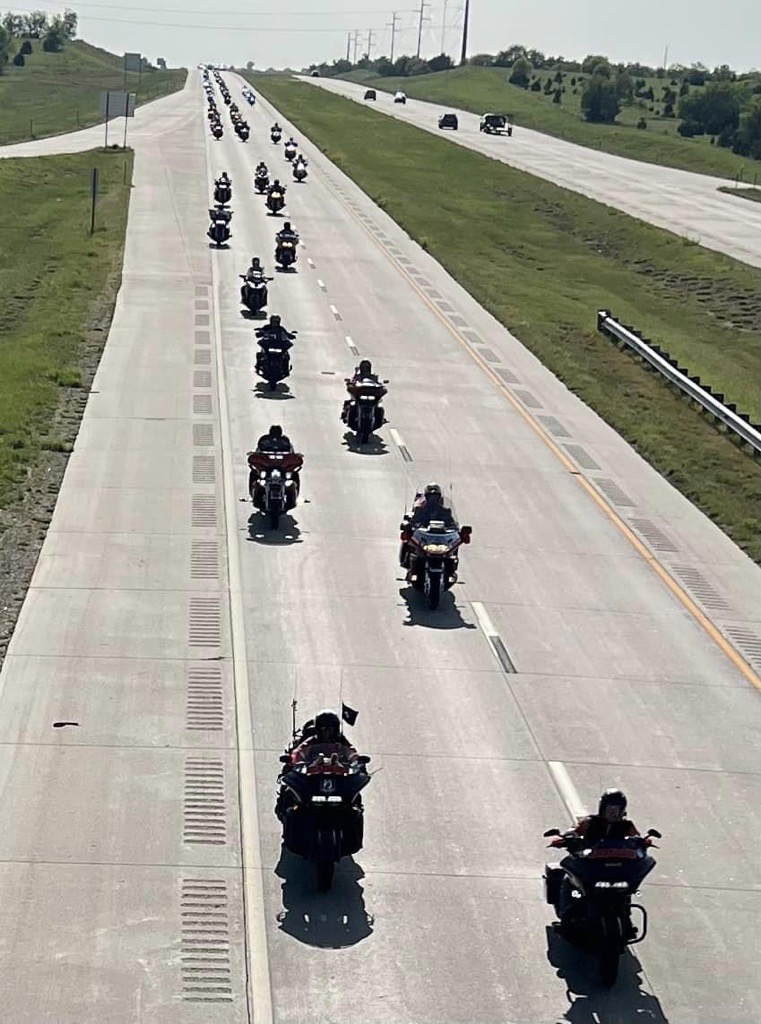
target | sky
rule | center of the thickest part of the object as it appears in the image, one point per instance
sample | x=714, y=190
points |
x=295, y=33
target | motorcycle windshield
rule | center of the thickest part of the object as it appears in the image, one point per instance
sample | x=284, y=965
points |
x=610, y=861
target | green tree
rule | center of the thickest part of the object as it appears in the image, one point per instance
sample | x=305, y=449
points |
x=714, y=109
x=506, y=58
x=602, y=67
x=747, y=140
x=13, y=24
x=521, y=73
x=589, y=62
x=70, y=21
x=35, y=24
x=481, y=60
x=441, y=63
x=599, y=102
x=54, y=37
x=5, y=41
x=624, y=87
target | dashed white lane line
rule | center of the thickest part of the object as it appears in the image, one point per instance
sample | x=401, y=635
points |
x=310, y=261
x=321, y=285
x=398, y=440
x=352, y=347
x=335, y=313
x=484, y=620
x=567, y=790
x=495, y=640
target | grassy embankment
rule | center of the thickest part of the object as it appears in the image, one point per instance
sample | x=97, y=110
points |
x=481, y=89
x=543, y=260
x=754, y=194
x=60, y=92
x=57, y=283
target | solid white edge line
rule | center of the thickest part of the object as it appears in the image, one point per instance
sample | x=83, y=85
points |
x=396, y=437
x=567, y=790
x=484, y=620
x=257, y=954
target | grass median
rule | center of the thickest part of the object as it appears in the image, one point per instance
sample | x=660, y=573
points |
x=60, y=92
x=482, y=89
x=543, y=260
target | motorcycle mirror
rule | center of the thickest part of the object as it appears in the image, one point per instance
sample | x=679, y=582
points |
x=364, y=759
x=654, y=832
x=385, y=382
x=552, y=832
x=284, y=758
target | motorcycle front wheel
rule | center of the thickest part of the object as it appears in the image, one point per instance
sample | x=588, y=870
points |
x=610, y=953
x=433, y=588
x=274, y=519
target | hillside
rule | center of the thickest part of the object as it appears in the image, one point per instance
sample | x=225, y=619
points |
x=479, y=89
x=60, y=92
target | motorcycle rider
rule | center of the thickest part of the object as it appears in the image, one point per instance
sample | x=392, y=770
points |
x=362, y=372
x=255, y=268
x=276, y=128
x=291, y=143
x=223, y=180
x=254, y=273
x=261, y=173
x=610, y=822
x=322, y=735
x=274, y=442
x=274, y=335
x=431, y=507
x=286, y=234
x=218, y=213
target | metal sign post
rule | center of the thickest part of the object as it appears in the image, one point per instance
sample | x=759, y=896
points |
x=93, y=196
x=108, y=98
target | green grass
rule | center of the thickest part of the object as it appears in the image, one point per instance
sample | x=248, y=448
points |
x=483, y=89
x=754, y=194
x=55, y=281
x=60, y=92
x=543, y=260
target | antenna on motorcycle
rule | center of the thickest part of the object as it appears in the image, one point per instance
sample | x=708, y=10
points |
x=294, y=705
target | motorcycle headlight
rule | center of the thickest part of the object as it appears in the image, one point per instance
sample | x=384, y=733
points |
x=435, y=549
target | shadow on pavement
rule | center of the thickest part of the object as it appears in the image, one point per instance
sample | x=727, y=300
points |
x=281, y=393
x=375, y=445
x=329, y=920
x=260, y=531
x=446, y=616
x=589, y=1001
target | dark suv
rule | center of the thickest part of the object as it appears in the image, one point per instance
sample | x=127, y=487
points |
x=449, y=121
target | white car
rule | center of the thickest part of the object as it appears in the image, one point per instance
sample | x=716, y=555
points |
x=400, y=97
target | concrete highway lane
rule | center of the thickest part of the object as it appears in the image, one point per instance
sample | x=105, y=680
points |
x=176, y=628
x=680, y=201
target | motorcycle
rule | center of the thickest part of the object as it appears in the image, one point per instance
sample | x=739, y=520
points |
x=285, y=254
x=322, y=814
x=273, y=488
x=242, y=131
x=363, y=413
x=430, y=557
x=275, y=202
x=272, y=363
x=219, y=229
x=253, y=293
x=261, y=183
x=223, y=192
x=290, y=151
x=299, y=171
x=276, y=136
x=602, y=878
x=217, y=131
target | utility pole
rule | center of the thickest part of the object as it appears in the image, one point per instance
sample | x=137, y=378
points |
x=348, y=46
x=356, y=43
x=422, y=18
x=666, y=57
x=392, y=26
x=444, y=27
x=464, y=53
x=369, y=43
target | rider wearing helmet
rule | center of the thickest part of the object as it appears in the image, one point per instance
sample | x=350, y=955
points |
x=323, y=735
x=287, y=234
x=261, y=170
x=275, y=186
x=274, y=441
x=274, y=335
x=431, y=507
x=362, y=372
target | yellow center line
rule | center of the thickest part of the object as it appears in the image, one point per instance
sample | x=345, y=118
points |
x=676, y=589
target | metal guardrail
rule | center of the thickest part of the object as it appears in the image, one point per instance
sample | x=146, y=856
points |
x=738, y=422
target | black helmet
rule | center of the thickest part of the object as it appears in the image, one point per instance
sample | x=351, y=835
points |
x=276, y=182
x=274, y=320
x=287, y=226
x=255, y=262
x=612, y=797
x=276, y=430
x=432, y=488
x=327, y=724
x=365, y=367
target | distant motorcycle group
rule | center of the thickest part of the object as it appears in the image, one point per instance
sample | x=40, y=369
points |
x=319, y=801
x=240, y=125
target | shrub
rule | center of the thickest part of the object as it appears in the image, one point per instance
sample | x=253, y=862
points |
x=26, y=48
x=687, y=129
x=557, y=96
x=19, y=60
x=536, y=85
x=642, y=123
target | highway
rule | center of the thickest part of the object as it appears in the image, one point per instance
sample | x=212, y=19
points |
x=141, y=875
x=680, y=201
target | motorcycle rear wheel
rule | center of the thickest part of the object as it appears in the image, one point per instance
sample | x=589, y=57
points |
x=325, y=871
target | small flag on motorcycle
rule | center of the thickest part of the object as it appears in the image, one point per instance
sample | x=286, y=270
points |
x=348, y=714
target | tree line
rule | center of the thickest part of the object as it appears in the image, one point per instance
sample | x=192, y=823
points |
x=719, y=103
x=53, y=32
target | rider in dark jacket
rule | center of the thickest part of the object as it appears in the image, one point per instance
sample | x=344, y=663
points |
x=274, y=441
x=274, y=335
x=431, y=508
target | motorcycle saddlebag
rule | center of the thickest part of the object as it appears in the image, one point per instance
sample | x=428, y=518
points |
x=553, y=879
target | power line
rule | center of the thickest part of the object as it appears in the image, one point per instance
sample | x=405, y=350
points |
x=212, y=28
x=237, y=14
